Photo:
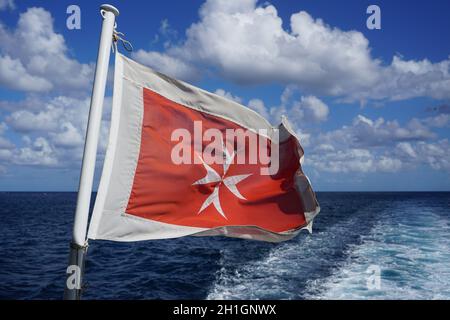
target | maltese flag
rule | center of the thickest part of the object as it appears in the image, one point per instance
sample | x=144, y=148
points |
x=182, y=161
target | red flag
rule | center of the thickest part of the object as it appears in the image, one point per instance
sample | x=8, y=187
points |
x=183, y=161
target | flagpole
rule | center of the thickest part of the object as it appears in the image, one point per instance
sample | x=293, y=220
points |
x=78, y=246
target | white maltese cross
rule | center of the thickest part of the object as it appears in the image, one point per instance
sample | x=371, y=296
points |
x=213, y=177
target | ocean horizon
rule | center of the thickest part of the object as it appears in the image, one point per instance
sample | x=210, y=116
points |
x=403, y=234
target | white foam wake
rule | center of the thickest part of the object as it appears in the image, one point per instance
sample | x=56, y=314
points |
x=410, y=244
x=282, y=273
x=412, y=248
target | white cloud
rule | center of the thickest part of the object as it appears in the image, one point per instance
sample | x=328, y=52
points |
x=5, y=154
x=69, y=137
x=14, y=76
x=228, y=95
x=35, y=57
x=364, y=132
x=7, y=4
x=405, y=79
x=308, y=109
x=167, y=32
x=439, y=121
x=304, y=137
x=352, y=160
x=55, y=116
x=56, y=133
x=26, y=121
x=258, y=106
x=368, y=145
x=301, y=111
x=311, y=108
x=247, y=43
x=38, y=152
x=30, y=102
x=6, y=146
x=407, y=149
x=387, y=164
x=165, y=27
x=436, y=154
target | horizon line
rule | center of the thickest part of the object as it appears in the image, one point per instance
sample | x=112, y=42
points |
x=317, y=191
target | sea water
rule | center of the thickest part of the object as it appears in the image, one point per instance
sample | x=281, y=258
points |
x=405, y=236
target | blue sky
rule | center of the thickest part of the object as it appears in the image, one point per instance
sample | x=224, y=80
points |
x=372, y=107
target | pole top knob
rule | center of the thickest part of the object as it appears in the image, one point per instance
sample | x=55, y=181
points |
x=110, y=8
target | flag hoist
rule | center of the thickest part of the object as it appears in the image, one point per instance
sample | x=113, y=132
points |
x=78, y=245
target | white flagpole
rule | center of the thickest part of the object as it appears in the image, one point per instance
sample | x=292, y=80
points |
x=78, y=245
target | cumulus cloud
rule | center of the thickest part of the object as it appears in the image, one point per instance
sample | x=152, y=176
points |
x=7, y=4
x=405, y=79
x=436, y=154
x=68, y=137
x=405, y=148
x=35, y=58
x=311, y=108
x=439, y=121
x=32, y=101
x=26, y=121
x=55, y=133
x=259, y=106
x=38, y=152
x=14, y=76
x=365, y=132
x=53, y=115
x=228, y=95
x=6, y=146
x=301, y=111
x=5, y=154
x=247, y=43
x=387, y=164
x=167, y=32
x=305, y=109
x=376, y=145
x=352, y=160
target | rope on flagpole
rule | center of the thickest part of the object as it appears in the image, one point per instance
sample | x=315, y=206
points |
x=119, y=36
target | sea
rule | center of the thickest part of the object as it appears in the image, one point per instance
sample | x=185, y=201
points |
x=363, y=246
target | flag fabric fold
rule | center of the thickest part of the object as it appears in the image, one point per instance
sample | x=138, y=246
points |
x=182, y=161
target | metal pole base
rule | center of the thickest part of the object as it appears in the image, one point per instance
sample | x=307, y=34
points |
x=75, y=272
